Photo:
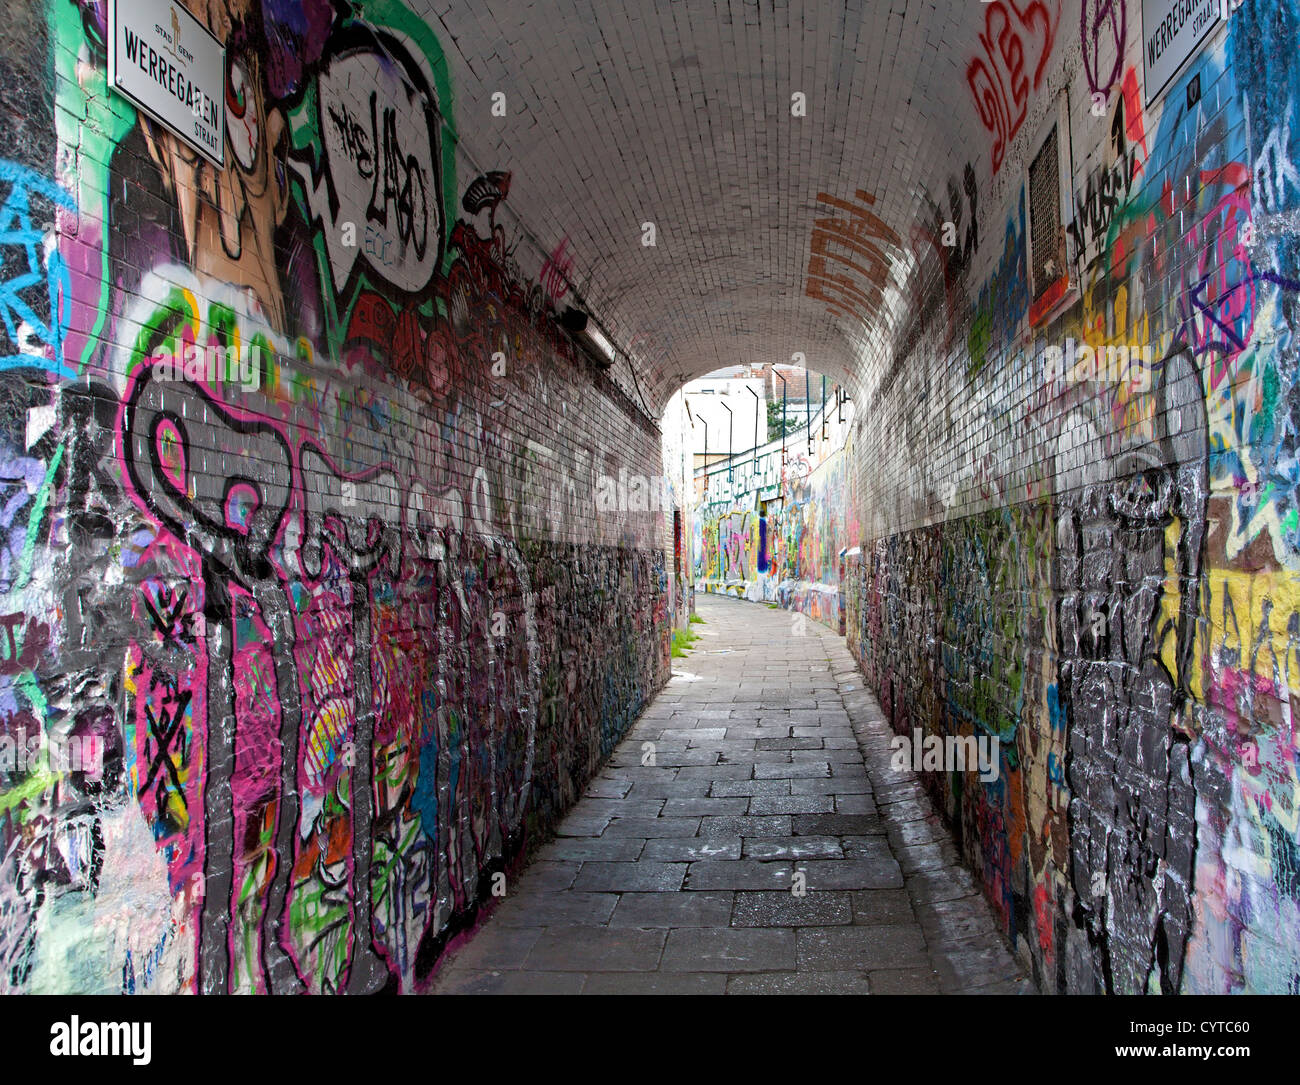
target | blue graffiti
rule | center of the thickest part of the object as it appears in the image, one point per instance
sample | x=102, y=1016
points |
x=1003, y=300
x=16, y=231
x=1269, y=80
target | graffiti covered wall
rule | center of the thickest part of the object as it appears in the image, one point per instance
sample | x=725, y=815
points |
x=677, y=498
x=1103, y=573
x=776, y=526
x=301, y=570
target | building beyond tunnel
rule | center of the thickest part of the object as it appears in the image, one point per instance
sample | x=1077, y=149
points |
x=330, y=572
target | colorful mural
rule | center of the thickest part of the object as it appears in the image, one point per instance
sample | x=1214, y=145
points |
x=1105, y=574
x=776, y=530
x=301, y=571
x=276, y=548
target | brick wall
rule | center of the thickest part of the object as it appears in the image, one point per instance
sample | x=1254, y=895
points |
x=340, y=608
x=302, y=551
x=1102, y=573
x=774, y=526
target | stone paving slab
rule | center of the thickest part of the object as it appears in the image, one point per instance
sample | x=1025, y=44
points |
x=558, y=910
x=584, y=848
x=786, y=910
x=800, y=983
x=584, y=949
x=770, y=849
x=740, y=874
x=692, y=849
x=656, y=983
x=470, y=982
x=793, y=847
x=730, y=950
x=639, y=877
x=651, y=910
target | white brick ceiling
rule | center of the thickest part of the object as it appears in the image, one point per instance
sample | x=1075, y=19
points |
x=679, y=113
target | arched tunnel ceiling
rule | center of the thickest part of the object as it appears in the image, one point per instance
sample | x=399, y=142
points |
x=680, y=114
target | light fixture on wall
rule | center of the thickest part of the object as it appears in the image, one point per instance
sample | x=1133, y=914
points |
x=587, y=334
x=603, y=349
x=573, y=320
x=594, y=340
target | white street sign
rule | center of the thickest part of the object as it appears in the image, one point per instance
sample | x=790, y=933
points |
x=1171, y=32
x=169, y=64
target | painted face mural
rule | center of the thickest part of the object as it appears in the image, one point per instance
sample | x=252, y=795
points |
x=322, y=607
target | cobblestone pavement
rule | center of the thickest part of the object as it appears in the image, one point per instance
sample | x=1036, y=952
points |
x=678, y=877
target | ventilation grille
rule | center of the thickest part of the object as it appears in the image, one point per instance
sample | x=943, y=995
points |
x=1045, y=216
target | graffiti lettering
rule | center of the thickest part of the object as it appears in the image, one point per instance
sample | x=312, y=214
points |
x=1016, y=41
x=854, y=244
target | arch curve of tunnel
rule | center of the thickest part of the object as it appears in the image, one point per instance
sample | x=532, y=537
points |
x=357, y=365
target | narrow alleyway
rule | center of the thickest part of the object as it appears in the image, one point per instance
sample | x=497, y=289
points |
x=679, y=877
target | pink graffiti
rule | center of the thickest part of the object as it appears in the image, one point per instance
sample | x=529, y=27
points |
x=556, y=271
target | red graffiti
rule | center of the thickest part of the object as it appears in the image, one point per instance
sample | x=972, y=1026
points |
x=427, y=358
x=1015, y=41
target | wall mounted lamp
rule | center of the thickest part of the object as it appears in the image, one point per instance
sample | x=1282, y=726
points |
x=588, y=335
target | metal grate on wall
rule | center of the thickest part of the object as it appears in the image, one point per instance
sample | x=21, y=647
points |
x=1045, y=215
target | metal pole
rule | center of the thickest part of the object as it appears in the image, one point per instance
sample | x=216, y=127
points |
x=685, y=488
x=757, y=405
x=785, y=391
x=731, y=424
x=823, y=406
x=807, y=407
